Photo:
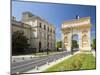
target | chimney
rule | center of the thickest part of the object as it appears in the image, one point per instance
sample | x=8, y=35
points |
x=77, y=17
x=26, y=16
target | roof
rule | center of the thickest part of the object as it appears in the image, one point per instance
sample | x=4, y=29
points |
x=18, y=23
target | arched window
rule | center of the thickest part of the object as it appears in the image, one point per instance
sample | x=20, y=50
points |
x=84, y=41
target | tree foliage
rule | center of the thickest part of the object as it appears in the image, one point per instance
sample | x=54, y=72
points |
x=74, y=44
x=94, y=44
x=59, y=44
x=19, y=42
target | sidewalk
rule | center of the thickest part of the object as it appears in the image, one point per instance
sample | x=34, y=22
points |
x=37, y=54
x=20, y=58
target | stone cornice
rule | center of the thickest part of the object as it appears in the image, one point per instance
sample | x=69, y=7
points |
x=77, y=23
x=76, y=20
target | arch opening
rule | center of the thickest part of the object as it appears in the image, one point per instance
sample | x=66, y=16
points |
x=75, y=42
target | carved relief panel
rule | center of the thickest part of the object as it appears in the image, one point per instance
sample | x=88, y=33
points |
x=84, y=39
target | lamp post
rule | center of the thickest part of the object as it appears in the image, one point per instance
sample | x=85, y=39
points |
x=47, y=43
x=72, y=41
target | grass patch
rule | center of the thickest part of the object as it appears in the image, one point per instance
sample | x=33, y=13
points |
x=80, y=61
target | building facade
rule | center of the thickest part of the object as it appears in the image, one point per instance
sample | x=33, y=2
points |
x=40, y=33
x=80, y=27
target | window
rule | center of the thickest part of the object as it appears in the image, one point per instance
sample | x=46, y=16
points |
x=48, y=29
x=51, y=30
x=40, y=25
x=54, y=31
x=44, y=27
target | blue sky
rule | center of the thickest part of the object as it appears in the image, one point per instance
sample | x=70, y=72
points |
x=55, y=13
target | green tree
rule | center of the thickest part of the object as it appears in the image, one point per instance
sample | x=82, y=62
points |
x=59, y=44
x=74, y=44
x=94, y=44
x=19, y=43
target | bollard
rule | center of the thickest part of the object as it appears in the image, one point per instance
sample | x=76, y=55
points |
x=31, y=57
x=36, y=68
x=14, y=60
x=47, y=63
x=23, y=58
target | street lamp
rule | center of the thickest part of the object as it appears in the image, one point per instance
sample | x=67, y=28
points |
x=47, y=43
x=72, y=41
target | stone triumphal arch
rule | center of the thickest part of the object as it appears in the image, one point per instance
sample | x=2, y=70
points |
x=79, y=26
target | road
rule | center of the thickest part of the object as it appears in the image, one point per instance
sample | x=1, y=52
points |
x=35, y=62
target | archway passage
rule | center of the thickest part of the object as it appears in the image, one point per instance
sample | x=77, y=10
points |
x=75, y=42
x=80, y=29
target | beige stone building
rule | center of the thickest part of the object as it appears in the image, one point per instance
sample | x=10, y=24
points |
x=80, y=27
x=41, y=34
